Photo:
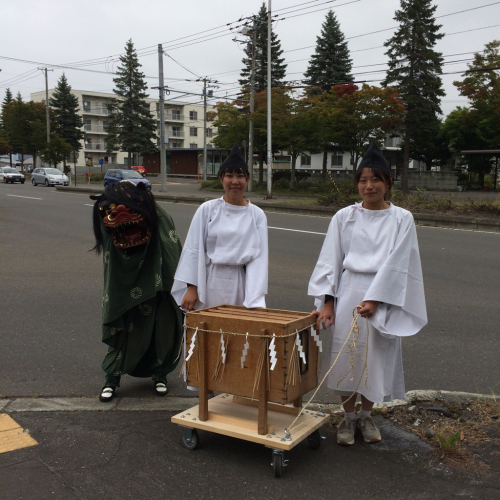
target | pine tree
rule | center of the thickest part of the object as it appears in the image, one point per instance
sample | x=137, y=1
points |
x=68, y=123
x=131, y=128
x=8, y=97
x=6, y=136
x=19, y=97
x=414, y=68
x=278, y=66
x=331, y=63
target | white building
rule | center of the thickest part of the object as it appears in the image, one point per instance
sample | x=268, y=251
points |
x=183, y=126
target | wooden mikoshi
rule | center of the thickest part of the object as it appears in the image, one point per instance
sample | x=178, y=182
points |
x=263, y=361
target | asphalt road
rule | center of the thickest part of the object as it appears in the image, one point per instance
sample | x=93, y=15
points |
x=51, y=292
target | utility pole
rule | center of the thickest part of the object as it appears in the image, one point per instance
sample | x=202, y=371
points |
x=44, y=70
x=269, y=86
x=205, y=80
x=161, y=88
x=204, y=129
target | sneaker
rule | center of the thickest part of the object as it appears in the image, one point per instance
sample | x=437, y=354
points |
x=346, y=432
x=369, y=430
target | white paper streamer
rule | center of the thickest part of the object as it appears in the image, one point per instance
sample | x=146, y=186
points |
x=245, y=351
x=272, y=353
x=222, y=347
x=299, y=348
x=315, y=336
x=191, y=346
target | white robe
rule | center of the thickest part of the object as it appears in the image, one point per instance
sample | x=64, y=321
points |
x=225, y=256
x=371, y=255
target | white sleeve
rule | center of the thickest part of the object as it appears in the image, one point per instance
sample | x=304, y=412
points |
x=326, y=275
x=257, y=269
x=192, y=264
x=399, y=286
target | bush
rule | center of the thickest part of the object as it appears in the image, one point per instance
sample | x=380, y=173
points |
x=97, y=177
x=287, y=174
x=347, y=194
x=281, y=184
x=215, y=184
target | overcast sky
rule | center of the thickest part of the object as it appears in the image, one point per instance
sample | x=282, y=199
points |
x=65, y=32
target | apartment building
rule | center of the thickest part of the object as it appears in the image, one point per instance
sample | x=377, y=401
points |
x=183, y=126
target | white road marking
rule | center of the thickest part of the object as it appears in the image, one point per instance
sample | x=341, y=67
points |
x=295, y=230
x=29, y=197
x=88, y=205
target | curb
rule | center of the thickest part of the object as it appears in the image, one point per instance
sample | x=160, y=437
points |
x=429, y=220
x=173, y=403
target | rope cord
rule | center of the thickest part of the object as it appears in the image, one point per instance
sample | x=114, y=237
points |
x=249, y=335
x=355, y=330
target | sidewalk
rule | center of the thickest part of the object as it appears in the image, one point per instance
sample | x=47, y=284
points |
x=190, y=192
x=130, y=450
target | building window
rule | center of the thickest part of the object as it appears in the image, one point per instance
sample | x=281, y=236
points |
x=305, y=161
x=105, y=125
x=209, y=132
x=193, y=115
x=176, y=114
x=337, y=160
x=125, y=162
x=176, y=131
x=193, y=145
x=87, y=124
x=176, y=145
x=193, y=131
x=86, y=105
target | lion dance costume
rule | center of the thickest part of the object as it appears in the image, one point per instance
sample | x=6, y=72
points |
x=141, y=323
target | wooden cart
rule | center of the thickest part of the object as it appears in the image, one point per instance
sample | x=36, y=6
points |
x=262, y=361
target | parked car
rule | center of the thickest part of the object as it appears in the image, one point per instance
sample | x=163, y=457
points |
x=115, y=175
x=140, y=169
x=49, y=177
x=11, y=174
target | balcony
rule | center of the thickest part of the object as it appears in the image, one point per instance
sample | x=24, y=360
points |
x=95, y=146
x=175, y=133
x=169, y=117
x=97, y=129
x=95, y=110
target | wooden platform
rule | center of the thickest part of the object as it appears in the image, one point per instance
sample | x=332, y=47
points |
x=238, y=417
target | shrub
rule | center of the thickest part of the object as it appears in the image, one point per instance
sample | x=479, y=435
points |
x=96, y=177
x=215, y=184
x=281, y=184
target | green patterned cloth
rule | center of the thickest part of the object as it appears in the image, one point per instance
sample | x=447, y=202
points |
x=141, y=322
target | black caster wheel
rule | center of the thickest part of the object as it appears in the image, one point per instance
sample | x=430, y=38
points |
x=278, y=464
x=190, y=439
x=314, y=440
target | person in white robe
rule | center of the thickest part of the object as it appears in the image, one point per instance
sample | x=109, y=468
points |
x=370, y=259
x=225, y=256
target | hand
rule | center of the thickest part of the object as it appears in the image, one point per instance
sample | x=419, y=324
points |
x=326, y=316
x=190, y=298
x=368, y=308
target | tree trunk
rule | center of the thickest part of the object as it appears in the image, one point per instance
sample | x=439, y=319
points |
x=325, y=161
x=406, y=161
x=261, y=166
x=10, y=156
x=129, y=160
x=293, y=180
x=480, y=178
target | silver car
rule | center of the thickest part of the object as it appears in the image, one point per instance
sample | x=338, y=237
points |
x=49, y=177
x=11, y=174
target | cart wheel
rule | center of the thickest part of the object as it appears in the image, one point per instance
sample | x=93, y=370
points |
x=190, y=439
x=278, y=464
x=314, y=440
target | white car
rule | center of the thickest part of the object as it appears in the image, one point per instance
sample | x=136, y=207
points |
x=11, y=174
x=49, y=177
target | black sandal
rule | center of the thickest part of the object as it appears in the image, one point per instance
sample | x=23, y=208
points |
x=107, y=394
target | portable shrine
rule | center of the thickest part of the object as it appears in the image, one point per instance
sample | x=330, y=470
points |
x=262, y=361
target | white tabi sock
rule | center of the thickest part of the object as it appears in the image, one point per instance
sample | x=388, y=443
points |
x=364, y=413
x=350, y=416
